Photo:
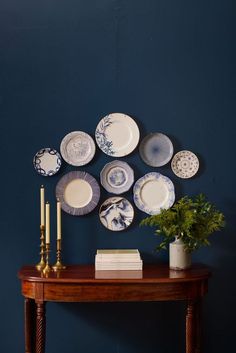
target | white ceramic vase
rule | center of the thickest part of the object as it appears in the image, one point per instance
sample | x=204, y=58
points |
x=179, y=258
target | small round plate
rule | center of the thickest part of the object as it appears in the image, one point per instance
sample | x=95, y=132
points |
x=47, y=161
x=116, y=213
x=156, y=149
x=77, y=148
x=78, y=193
x=117, y=177
x=185, y=164
x=154, y=192
x=117, y=135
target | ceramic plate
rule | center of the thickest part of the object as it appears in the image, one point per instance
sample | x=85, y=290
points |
x=185, y=164
x=154, y=192
x=117, y=135
x=116, y=213
x=156, y=149
x=47, y=161
x=117, y=177
x=77, y=148
x=78, y=192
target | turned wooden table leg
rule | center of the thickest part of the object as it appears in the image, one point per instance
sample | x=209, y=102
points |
x=40, y=328
x=29, y=325
x=190, y=327
x=198, y=323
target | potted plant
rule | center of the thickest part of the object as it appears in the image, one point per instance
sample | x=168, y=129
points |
x=190, y=222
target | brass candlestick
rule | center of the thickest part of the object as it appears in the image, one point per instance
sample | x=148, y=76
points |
x=40, y=266
x=47, y=267
x=58, y=265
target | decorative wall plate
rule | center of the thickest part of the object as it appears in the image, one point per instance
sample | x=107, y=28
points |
x=117, y=135
x=47, y=161
x=156, y=149
x=78, y=192
x=77, y=148
x=185, y=164
x=117, y=177
x=116, y=213
x=154, y=192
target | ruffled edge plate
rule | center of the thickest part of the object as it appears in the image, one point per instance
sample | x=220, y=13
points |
x=69, y=177
x=150, y=177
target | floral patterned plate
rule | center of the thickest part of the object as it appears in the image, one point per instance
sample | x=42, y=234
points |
x=77, y=148
x=117, y=177
x=154, y=192
x=47, y=161
x=116, y=213
x=117, y=135
x=185, y=164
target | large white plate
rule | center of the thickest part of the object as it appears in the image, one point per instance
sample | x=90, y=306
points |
x=116, y=213
x=78, y=192
x=47, y=161
x=117, y=177
x=185, y=164
x=77, y=148
x=117, y=135
x=154, y=192
x=156, y=149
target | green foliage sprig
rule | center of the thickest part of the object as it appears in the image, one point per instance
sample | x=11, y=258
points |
x=191, y=219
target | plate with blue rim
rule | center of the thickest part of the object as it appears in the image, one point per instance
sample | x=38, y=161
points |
x=117, y=177
x=47, y=161
x=154, y=192
x=156, y=149
x=78, y=192
x=116, y=213
x=117, y=134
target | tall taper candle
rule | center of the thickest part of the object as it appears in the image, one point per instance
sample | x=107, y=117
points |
x=47, y=223
x=42, y=206
x=58, y=220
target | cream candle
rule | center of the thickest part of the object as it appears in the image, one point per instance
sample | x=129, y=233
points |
x=42, y=206
x=58, y=220
x=47, y=223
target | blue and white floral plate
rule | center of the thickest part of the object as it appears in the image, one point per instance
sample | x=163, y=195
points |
x=117, y=177
x=154, y=192
x=185, y=164
x=77, y=148
x=116, y=213
x=156, y=149
x=78, y=192
x=47, y=161
x=117, y=135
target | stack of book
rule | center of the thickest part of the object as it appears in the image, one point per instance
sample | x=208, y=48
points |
x=127, y=259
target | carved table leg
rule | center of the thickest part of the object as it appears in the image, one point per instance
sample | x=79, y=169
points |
x=29, y=325
x=198, y=343
x=40, y=328
x=190, y=327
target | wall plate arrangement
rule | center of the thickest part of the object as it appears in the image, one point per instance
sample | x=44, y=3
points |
x=116, y=213
x=154, y=192
x=185, y=164
x=117, y=177
x=156, y=149
x=79, y=193
x=117, y=135
x=47, y=161
x=77, y=148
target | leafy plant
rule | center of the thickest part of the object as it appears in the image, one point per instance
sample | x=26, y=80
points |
x=191, y=219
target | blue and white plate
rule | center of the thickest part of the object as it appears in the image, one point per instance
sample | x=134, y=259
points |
x=78, y=193
x=116, y=213
x=156, y=149
x=154, y=192
x=77, y=148
x=117, y=135
x=117, y=177
x=185, y=164
x=47, y=161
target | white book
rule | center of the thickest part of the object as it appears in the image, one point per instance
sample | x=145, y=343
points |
x=119, y=266
x=118, y=254
x=99, y=258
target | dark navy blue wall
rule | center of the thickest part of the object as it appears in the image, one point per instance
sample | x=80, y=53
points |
x=64, y=65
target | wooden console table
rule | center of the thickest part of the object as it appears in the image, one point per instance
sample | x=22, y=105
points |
x=81, y=284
